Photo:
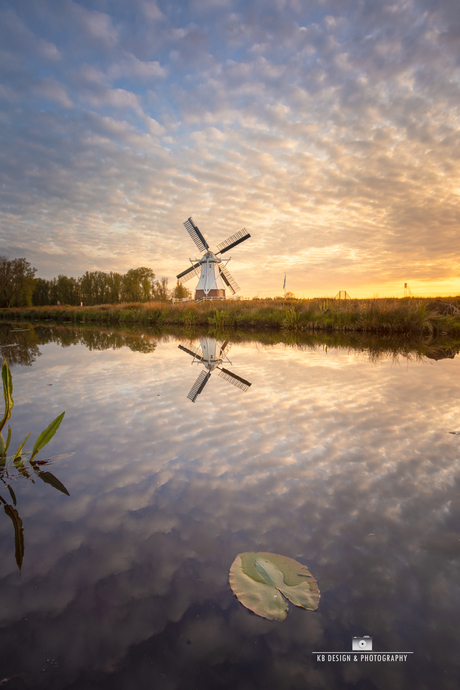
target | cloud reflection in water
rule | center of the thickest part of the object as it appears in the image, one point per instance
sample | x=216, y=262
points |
x=340, y=463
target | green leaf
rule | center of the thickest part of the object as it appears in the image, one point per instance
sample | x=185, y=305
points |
x=18, y=462
x=8, y=439
x=53, y=481
x=47, y=435
x=261, y=580
x=2, y=450
x=18, y=453
x=18, y=533
x=17, y=456
x=7, y=393
x=5, y=448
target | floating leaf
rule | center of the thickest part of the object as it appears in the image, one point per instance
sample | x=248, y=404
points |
x=47, y=435
x=18, y=533
x=260, y=581
x=7, y=393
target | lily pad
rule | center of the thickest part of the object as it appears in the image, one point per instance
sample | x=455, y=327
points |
x=263, y=581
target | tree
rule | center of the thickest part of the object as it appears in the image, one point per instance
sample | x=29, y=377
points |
x=181, y=292
x=138, y=285
x=289, y=295
x=161, y=292
x=87, y=289
x=65, y=290
x=41, y=296
x=17, y=282
x=115, y=282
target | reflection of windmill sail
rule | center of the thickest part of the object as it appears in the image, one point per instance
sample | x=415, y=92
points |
x=190, y=352
x=199, y=384
x=225, y=347
x=233, y=378
x=214, y=276
x=212, y=358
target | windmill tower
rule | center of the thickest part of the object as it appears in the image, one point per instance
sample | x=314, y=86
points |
x=214, y=278
x=212, y=355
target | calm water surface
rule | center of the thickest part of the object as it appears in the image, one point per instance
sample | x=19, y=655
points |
x=341, y=461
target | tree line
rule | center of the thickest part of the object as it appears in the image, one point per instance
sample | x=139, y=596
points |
x=20, y=288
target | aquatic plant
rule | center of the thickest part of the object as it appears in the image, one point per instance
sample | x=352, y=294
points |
x=265, y=582
x=17, y=461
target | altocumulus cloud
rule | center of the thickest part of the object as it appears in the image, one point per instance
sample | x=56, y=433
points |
x=330, y=131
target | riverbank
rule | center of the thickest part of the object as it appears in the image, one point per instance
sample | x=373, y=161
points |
x=386, y=316
x=20, y=340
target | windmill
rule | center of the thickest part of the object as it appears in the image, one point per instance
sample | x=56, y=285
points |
x=212, y=355
x=215, y=277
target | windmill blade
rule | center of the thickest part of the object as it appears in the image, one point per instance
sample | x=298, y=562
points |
x=186, y=275
x=234, y=379
x=190, y=352
x=199, y=384
x=232, y=241
x=196, y=235
x=228, y=279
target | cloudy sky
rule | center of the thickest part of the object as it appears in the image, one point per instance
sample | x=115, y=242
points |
x=327, y=128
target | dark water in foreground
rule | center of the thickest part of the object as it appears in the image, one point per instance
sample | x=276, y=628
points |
x=343, y=463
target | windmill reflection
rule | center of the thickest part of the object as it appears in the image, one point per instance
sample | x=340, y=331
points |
x=212, y=355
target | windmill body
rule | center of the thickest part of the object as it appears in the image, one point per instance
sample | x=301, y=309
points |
x=214, y=277
x=211, y=283
x=211, y=357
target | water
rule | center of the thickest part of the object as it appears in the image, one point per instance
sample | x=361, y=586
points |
x=340, y=460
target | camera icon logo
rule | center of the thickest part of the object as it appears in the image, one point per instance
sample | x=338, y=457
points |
x=361, y=644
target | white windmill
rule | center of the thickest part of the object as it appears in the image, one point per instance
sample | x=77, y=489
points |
x=214, y=278
x=212, y=355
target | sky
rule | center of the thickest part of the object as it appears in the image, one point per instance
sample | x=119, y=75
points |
x=329, y=129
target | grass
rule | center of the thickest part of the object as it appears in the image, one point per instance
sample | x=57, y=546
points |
x=407, y=316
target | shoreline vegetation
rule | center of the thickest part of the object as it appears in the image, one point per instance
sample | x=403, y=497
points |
x=20, y=340
x=387, y=316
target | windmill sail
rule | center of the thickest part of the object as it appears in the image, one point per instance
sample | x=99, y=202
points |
x=198, y=386
x=229, y=279
x=234, y=379
x=196, y=235
x=215, y=282
x=232, y=241
x=187, y=274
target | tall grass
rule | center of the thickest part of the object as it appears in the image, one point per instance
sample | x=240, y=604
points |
x=390, y=316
